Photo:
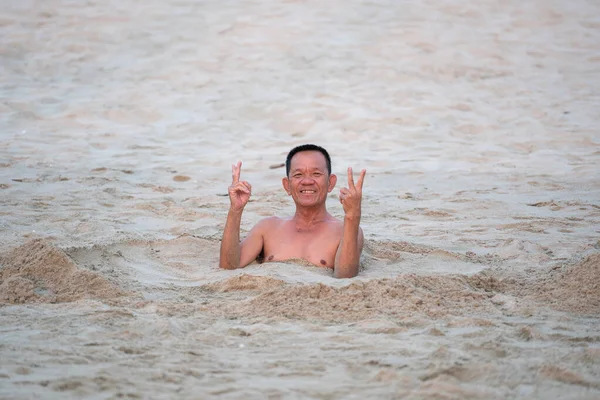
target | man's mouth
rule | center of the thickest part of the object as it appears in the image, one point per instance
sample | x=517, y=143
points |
x=307, y=191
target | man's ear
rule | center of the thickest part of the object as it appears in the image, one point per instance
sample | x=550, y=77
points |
x=332, y=182
x=286, y=185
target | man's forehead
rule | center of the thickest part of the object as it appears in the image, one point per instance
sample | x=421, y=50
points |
x=314, y=158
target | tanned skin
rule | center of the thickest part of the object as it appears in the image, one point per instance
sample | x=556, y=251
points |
x=311, y=234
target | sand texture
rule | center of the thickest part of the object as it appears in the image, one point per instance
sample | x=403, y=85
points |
x=477, y=122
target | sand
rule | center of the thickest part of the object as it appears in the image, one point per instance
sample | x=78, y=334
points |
x=477, y=124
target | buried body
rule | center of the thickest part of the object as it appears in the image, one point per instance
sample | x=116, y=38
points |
x=311, y=234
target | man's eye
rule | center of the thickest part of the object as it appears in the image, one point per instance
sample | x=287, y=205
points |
x=297, y=176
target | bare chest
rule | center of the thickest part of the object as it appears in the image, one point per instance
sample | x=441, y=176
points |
x=317, y=247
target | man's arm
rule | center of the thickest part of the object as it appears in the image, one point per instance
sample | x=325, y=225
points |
x=232, y=254
x=230, y=244
x=347, y=258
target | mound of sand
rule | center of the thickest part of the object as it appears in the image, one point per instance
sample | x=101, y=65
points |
x=393, y=250
x=574, y=288
x=245, y=282
x=407, y=294
x=38, y=272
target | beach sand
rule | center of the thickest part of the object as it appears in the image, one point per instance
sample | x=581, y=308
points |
x=477, y=123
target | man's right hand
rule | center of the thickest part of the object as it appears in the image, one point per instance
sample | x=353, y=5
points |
x=239, y=191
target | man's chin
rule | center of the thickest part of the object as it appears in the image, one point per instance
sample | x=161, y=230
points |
x=308, y=202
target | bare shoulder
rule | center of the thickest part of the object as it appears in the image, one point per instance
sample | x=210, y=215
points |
x=335, y=224
x=338, y=225
x=268, y=223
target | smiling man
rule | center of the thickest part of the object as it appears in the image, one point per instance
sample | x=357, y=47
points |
x=312, y=234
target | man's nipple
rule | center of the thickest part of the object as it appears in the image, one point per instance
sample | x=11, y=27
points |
x=270, y=258
x=323, y=262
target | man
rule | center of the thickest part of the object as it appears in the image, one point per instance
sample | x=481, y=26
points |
x=312, y=234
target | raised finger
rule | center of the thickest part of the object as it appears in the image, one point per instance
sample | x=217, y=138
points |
x=235, y=172
x=361, y=179
x=350, y=178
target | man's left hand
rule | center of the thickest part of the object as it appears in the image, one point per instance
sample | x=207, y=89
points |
x=351, y=196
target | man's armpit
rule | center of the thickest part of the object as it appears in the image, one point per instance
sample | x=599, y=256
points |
x=252, y=245
x=261, y=256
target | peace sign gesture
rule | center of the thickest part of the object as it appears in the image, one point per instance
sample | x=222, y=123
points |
x=239, y=191
x=351, y=196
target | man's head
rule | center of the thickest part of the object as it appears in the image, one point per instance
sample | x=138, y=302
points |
x=308, y=175
x=306, y=147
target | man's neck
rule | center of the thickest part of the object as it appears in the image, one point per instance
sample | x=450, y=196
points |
x=306, y=218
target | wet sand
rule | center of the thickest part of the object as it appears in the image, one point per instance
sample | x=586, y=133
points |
x=478, y=126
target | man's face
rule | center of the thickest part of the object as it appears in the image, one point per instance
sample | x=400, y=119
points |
x=309, y=181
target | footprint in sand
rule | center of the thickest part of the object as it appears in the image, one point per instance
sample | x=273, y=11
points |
x=181, y=178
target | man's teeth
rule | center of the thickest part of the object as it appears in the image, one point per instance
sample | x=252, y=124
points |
x=307, y=191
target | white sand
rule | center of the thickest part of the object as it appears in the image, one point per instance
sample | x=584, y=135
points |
x=478, y=125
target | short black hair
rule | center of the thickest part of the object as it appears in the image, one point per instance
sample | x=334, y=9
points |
x=306, y=147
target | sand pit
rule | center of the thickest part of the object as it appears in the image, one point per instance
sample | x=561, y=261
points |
x=477, y=124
